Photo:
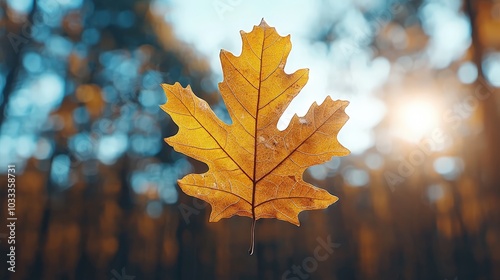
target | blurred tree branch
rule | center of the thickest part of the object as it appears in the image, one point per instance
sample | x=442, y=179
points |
x=10, y=81
x=490, y=117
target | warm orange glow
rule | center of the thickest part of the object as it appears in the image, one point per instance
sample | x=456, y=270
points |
x=416, y=118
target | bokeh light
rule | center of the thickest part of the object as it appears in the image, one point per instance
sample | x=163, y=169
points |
x=416, y=118
x=98, y=186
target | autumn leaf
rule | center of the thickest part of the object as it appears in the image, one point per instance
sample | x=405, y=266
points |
x=255, y=170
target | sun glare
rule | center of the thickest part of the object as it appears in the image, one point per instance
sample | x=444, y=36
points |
x=415, y=119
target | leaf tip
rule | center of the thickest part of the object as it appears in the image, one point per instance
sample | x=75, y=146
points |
x=164, y=86
x=263, y=23
x=345, y=103
x=223, y=51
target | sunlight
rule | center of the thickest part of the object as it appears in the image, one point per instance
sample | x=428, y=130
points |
x=416, y=118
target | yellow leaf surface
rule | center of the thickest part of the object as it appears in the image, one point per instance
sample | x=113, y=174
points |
x=255, y=170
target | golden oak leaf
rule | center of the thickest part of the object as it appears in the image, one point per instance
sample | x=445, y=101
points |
x=255, y=170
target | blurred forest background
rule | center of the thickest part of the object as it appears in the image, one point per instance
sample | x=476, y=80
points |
x=96, y=185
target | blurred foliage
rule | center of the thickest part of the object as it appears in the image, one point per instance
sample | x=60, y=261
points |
x=96, y=185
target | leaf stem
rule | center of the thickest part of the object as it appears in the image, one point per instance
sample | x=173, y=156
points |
x=256, y=129
x=252, y=238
